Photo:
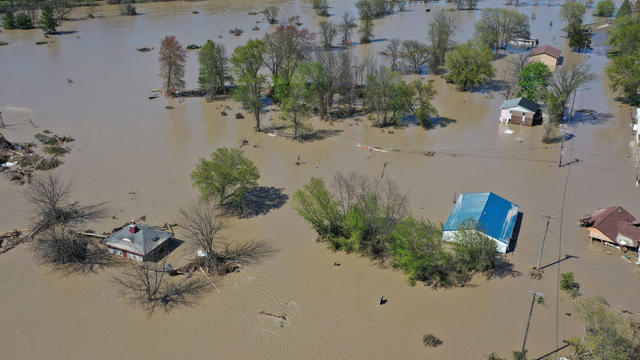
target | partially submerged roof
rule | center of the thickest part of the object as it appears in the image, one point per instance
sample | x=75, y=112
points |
x=487, y=212
x=520, y=102
x=614, y=221
x=144, y=240
x=546, y=49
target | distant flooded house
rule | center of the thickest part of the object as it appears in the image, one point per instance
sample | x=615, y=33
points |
x=613, y=225
x=520, y=111
x=547, y=55
x=139, y=242
x=485, y=212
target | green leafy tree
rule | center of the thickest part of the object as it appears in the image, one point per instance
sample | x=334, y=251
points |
x=226, y=176
x=417, y=250
x=625, y=36
x=607, y=335
x=474, y=251
x=24, y=21
x=247, y=61
x=213, y=68
x=624, y=76
x=9, y=21
x=579, y=38
x=387, y=96
x=422, y=107
x=534, y=79
x=316, y=85
x=569, y=284
x=624, y=10
x=366, y=30
x=572, y=13
x=470, y=65
x=294, y=103
x=315, y=203
x=605, y=8
x=48, y=22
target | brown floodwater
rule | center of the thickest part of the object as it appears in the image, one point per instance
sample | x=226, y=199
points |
x=137, y=155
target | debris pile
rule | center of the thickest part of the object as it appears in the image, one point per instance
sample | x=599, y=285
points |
x=18, y=160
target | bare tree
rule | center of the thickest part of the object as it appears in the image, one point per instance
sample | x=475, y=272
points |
x=146, y=285
x=564, y=83
x=328, y=32
x=203, y=222
x=172, y=59
x=346, y=27
x=347, y=87
x=285, y=49
x=64, y=247
x=393, y=52
x=511, y=74
x=49, y=197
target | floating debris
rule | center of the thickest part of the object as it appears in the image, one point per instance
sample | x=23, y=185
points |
x=3, y=43
x=236, y=31
x=195, y=12
x=144, y=49
x=41, y=42
x=193, y=47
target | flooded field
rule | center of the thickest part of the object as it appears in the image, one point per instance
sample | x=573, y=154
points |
x=137, y=155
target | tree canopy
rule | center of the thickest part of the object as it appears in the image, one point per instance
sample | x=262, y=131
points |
x=534, y=79
x=469, y=65
x=226, y=176
x=247, y=61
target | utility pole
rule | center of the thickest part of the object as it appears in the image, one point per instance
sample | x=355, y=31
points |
x=546, y=228
x=637, y=178
x=561, y=145
x=526, y=332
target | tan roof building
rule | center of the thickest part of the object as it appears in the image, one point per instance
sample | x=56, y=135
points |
x=547, y=55
x=614, y=225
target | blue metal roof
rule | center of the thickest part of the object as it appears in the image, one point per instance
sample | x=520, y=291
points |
x=491, y=214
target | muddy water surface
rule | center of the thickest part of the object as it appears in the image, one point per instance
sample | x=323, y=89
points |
x=137, y=155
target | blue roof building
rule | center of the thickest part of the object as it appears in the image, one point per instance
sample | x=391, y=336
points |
x=488, y=213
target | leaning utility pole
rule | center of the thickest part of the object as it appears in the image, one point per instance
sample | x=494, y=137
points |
x=526, y=332
x=546, y=228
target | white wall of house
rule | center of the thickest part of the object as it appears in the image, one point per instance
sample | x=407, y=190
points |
x=450, y=236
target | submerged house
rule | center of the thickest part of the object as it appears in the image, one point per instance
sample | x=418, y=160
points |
x=485, y=212
x=547, y=55
x=520, y=111
x=139, y=242
x=613, y=225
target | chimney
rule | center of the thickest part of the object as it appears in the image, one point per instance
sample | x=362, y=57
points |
x=132, y=227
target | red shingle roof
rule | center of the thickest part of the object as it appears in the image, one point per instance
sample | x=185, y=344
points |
x=613, y=221
x=547, y=49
